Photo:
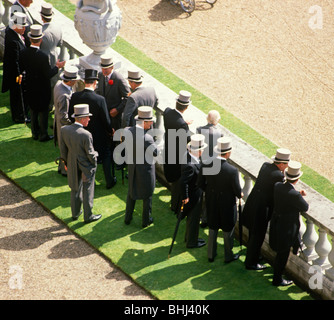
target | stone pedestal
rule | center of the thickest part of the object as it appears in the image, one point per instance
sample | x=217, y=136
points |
x=97, y=22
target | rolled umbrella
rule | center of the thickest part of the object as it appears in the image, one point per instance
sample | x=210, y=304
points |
x=19, y=82
x=179, y=218
x=240, y=224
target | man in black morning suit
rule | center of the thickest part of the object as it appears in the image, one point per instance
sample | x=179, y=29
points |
x=38, y=83
x=285, y=223
x=222, y=189
x=14, y=44
x=190, y=192
x=99, y=125
x=175, y=124
x=259, y=206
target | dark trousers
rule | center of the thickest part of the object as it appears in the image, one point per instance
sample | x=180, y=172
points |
x=16, y=107
x=39, y=124
x=147, y=209
x=108, y=166
x=255, y=241
x=280, y=262
x=83, y=196
x=192, y=225
x=228, y=244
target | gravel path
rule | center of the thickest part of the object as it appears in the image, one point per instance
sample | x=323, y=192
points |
x=260, y=60
x=41, y=259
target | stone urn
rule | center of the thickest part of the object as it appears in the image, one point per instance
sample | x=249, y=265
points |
x=97, y=22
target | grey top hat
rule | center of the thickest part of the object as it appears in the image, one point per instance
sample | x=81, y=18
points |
x=184, y=97
x=19, y=19
x=282, y=155
x=35, y=32
x=81, y=110
x=197, y=142
x=70, y=73
x=145, y=113
x=46, y=10
x=223, y=145
x=135, y=75
x=106, y=61
x=292, y=172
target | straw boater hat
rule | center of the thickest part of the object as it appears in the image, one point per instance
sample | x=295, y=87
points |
x=81, y=110
x=282, y=155
x=223, y=145
x=35, y=32
x=106, y=61
x=145, y=113
x=46, y=10
x=19, y=19
x=197, y=143
x=91, y=74
x=184, y=97
x=292, y=172
x=135, y=76
x=70, y=73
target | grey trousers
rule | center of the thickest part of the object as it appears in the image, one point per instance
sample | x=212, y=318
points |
x=84, y=195
x=147, y=209
x=228, y=244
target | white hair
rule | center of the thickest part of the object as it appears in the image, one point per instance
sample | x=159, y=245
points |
x=213, y=117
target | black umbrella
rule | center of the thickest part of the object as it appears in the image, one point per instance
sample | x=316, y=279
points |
x=176, y=229
x=19, y=82
x=240, y=225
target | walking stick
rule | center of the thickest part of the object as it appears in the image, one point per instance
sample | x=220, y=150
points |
x=19, y=82
x=240, y=225
x=179, y=218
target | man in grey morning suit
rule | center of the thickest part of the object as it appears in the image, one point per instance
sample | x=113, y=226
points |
x=140, y=96
x=76, y=148
x=52, y=40
x=62, y=97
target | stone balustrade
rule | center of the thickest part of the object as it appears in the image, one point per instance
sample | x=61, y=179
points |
x=314, y=268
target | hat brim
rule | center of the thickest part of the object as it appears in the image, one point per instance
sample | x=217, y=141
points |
x=62, y=77
x=81, y=115
x=136, y=79
x=35, y=37
x=105, y=66
x=92, y=78
x=48, y=16
x=196, y=149
x=274, y=159
x=289, y=177
x=184, y=103
x=215, y=149
x=151, y=119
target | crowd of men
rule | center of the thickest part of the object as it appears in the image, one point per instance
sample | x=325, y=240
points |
x=204, y=185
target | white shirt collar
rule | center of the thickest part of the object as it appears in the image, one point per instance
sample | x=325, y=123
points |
x=221, y=158
x=66, y=86
x=195, y=158
x=88, y=88
x=79, y=124
x=32, y=46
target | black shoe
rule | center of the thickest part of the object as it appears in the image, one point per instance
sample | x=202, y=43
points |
x=127, y=221
x=256, y=267
x=150, y=221
x=234, y=257
x=283, y=283
x=113, y=182
x=212, y=259
x=203, y=225
x=45, y=139
x=200, y=243
x=93, y=218
x=77, y=217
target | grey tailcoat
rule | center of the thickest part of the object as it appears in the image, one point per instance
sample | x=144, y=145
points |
x=76, y=148
x=62, y=96
x=142, y=96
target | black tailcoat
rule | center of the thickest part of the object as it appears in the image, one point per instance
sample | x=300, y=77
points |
x=99, y=125
x=284, y=225
x=221, y=191
x=174, y=120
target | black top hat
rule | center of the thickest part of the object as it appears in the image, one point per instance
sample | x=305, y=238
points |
x=91, y=74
